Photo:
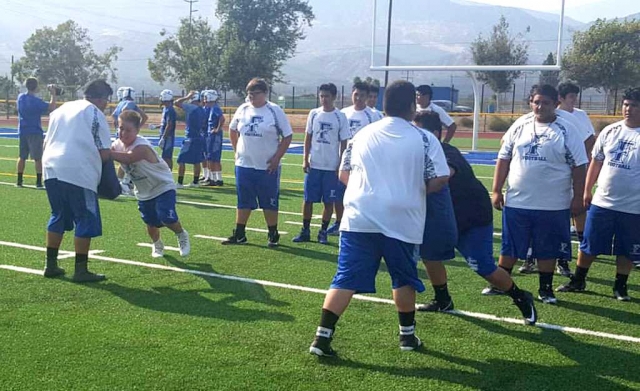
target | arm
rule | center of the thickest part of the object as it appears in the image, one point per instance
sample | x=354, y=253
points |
x=499, y=178
x=180, y=101
x=144, y=116
x=141, y=152
x=234, y=135
x=307, y=151
x=436, y=184
x=592, y=177
x=344, y=177
x=588, y=145
x=221, y=123
x=578, y=179
x=451, y=130
x=105, y=154
x=274, y=162
x=54, y=97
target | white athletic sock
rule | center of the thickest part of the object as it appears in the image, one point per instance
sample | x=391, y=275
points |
x=218, y=175
x=205, y=174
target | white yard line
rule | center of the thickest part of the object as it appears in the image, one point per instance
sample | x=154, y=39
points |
x=210, y=237
x=299, y=223
x=564, y=329
x=264, y=230
x=150, y=245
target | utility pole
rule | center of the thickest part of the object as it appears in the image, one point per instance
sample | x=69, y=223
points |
x=386, y=73
x=191, y=11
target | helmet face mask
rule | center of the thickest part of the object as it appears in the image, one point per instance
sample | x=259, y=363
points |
x=210, y=95
x=128, y=93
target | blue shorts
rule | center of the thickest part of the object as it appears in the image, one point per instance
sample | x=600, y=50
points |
x=73, y=205
x=257, y=187
x=167, y=148
x=609, y=232
x=213, y=150
x=340, y=192
x=159, y=211
x=359, y=261
x=548, y=233
x=191, y=151
x=440, y=230
x=321, y=186
x=476, y=246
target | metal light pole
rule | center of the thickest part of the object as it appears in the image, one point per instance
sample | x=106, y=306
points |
x=386, y=73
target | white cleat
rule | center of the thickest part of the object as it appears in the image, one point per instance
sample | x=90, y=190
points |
x=183, y=243
x=157, y=251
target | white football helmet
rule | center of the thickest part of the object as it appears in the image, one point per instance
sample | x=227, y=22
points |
x=166, y=95
x=196, y=96
x=128, y=92
x=119, y=92
x=211, y=95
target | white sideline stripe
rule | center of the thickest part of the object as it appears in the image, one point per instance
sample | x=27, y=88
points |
x=210, y=237
x=564, y=329
x=284, y=212
x=150, y=245
x=22, y=269
x=500, y=235
x=299, y=223
x=264, y=230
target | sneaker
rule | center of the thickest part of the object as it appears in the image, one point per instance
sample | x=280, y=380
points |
x=183, y=243
x=207, y=183
x=157, y=251
x=528, y=267
x=409, y=342
x=334, y=229
x=304, y=236
x=192, y=184
x=547, y=296
x=572, y=286
x=39, y=186
x=322, y=237
x=19, y=184
x=562, y=267
x=219, y=183
x=179, y=186
x=273, y=239
x=87, y=276
x=321, y=347
x=436, y=306
x=621, y=293
x=52, y=272
x=527, y=308
x=492, y=291
x=233, y=239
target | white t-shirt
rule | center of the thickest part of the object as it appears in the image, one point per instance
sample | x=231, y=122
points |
x=77, y=131
x=542, y=158
x=261, y=130
x=327, y=129
x=580, y=120
x=444, y=117
x=358, y=119
x=150, y=179
x=377, y=113
x=389, y=163
x=618, y=147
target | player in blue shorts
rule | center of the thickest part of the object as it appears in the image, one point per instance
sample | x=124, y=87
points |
x=155, y=190
x=541, y=152
x=167, y=127
x=462, y=218
x=192, y=148
x=613, y=218
x=325, y=140
x=384, y=213
x=127, y=103
x=213, y=152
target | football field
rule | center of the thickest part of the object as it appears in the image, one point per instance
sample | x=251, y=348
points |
x=242, y=317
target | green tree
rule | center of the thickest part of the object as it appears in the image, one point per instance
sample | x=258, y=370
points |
x=606, y=56
x=549, y=77
x=368, y=80
x=500, y=48
x=6, y=86
x=257, y=37
x=190, y=57
x=64, y=56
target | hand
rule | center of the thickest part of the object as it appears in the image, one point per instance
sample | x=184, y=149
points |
x=577, y=206
x=497, y=199
x=586, y=199
x=161, y=143
x=305, y=167
x=273, y=164
x=52, y=89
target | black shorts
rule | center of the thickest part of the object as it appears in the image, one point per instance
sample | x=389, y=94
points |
x=31, y=144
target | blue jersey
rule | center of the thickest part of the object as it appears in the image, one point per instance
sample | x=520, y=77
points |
x=30, y=109
x=168, y=116
x=205, y=128
x=214, y=117
x=194, y=118
x=124, y=105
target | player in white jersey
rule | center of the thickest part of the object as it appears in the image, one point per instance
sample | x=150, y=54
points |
x=326, y=138
x=359, y=116
x=613, y=218
x=372, y=101
x=544, y=152
x=154, y=187
x=424, y=93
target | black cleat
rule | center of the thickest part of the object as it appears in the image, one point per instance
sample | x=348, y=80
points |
x=436, y=306
x=409, y=342
x=621, y=293
x=321, y=347
x=547, y=296
x=52, y=272
x=233, y=239
x=273, y=239
x=572, y=286
x=492, y=291
x=527, y=308
x=562, y=267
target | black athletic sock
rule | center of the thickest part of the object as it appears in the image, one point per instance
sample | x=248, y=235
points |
x=546, y=281
x=39, y=179
x=52, y=257
x=273, y=229
x=82, y=261
x=195, y=180
x=180, y=179
x=508, y=269
x=581, y=273
x=325, y=224
x=20, y=178
x=514, y=292
x=621, y=281
x=240, y=230
x=328, y=319
x=407, y=319
x=306, y=224
x=442, y=293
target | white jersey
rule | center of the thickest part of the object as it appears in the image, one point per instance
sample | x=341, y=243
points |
x=585, y=123
x=261, y=130
x=328, y=130
x=618, y=147
x=150, y=179
x=358, y=119
x=445, y=118
x=542, y=157
x=576, y=123
x=389, y=163
x=77, y=131
x=377, y=113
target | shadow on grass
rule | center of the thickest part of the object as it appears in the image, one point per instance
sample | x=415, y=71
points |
x=609, y=283
x=592, y=366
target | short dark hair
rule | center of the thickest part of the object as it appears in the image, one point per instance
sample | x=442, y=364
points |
x=425, y=90
x=374, y=89
x=257, y=84
x=130, y=116
x=362, y=86
x=632, y=94
x=98, y=89
x=546, y=90
x=567, y=88
x=330, y=88
x=31, y=83
x=399, y=98
x=429, y=120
